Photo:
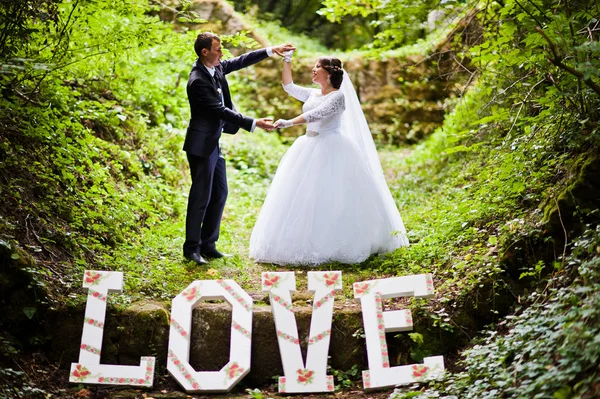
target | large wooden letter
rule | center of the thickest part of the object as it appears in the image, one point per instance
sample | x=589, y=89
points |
x=377, y=322
x=89, y=370
x=181, y=328
x=299, y=377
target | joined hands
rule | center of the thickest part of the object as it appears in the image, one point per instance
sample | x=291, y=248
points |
x=265, y=124
x=283, y=48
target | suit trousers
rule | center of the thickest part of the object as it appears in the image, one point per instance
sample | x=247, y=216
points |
x=205, y=202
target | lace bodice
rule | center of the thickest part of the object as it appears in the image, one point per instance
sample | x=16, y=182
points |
x=323, y=113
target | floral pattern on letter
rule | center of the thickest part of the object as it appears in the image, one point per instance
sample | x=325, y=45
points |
x=429, y=282
x=92, y=278
x=283, y=303
x=179, y=329
x=93, y=322
x=186, y=374
x=305, y=376
x=90, y=349
x=319, y=337
x=361, y=289
x=288, y=337
x=191, y=294
x=240, y=329
x=245, y=304
x=80, y=372
x=419, y=370
x=381, y=328
x=331, y=279
x=269, y=281
x=282, y=384
x=329, y=296
x=97, y=295
x=367, y=379
x=233, y=370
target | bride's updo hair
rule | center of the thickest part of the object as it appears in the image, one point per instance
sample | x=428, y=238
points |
x=334, y=67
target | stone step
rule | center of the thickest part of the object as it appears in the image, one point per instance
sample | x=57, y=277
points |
x=142, y=329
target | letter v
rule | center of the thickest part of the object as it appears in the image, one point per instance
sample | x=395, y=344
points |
x=298, y=377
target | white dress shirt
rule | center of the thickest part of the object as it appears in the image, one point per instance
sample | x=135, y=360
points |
x=211, y=70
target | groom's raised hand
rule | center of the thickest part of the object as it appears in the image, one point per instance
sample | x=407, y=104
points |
x=265, y=123
x=282, y=48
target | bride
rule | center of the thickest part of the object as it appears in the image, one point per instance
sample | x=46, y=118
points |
x=329, y=200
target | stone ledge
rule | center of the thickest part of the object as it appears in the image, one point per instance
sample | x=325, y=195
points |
x=142, y=329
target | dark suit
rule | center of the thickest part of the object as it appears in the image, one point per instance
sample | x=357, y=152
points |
x=210, y=117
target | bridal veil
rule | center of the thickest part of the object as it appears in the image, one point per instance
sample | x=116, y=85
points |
x=356, y=129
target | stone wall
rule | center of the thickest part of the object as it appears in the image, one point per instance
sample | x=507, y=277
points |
x=142, y=329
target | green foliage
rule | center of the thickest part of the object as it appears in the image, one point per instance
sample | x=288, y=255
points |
x=16, y=29
x=102, y=142
x=303, y=18
x=257, y=154
x=548, y=348
x=535, y=271
x=346, y=379
x=274, y=32
x=255, y=393
x=472, y=190
x=13, y=385
x=102, y=150
x=8, y=346
x=397, y=23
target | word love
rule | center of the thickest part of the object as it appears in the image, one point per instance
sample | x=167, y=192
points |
x=299, y=376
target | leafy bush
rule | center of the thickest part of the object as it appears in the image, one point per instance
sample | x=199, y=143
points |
x=550, y=347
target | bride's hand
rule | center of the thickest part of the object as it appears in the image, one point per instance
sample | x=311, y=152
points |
x=287, y=56
x=283, y=123
x=282, y=48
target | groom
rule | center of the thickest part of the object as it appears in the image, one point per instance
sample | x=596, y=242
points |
x=212, y=113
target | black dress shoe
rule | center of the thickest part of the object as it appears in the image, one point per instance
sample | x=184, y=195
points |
x=213, y=254
x=196, y=257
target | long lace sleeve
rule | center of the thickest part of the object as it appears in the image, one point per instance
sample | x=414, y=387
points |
x=298, y=92
x=334, y=104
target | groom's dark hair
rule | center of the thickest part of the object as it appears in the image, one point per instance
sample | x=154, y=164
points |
x=204, y=40
x=334, y=67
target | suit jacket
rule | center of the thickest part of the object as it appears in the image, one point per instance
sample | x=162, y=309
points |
x=209, y=115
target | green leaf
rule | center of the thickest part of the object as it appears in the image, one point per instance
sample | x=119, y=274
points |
x=563, y=393
x=29, y=312
x=518, y=187
x=416, y=337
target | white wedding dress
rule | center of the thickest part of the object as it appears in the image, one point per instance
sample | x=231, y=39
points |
x=327, y=202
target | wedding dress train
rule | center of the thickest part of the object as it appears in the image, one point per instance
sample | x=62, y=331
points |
x=328, y=200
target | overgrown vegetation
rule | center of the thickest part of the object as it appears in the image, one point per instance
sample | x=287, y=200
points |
x=501, y=203
x=508, y=211
x=303, y=17
x=548, y=348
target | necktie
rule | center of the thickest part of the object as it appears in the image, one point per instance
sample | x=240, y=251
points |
x=218, y=84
